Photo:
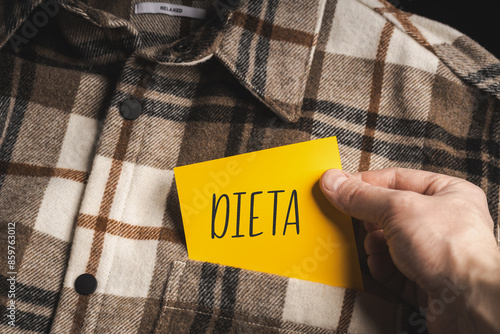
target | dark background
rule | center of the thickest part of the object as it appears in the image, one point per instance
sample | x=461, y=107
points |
x=478, y=19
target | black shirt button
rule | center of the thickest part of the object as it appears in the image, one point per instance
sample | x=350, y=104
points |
x=85, y=284
x=130, y=109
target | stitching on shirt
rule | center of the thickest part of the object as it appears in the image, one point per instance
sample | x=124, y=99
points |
x=266, y=98
x=387, y=19
x=122, y=208
x=296, y=98
x=238, y=320
x=237, y=310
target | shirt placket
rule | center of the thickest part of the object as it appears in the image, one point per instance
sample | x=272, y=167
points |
x=104, y=200
x=100, y=234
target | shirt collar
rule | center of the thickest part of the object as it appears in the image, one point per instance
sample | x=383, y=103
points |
x=269, y=48
x=14, y=13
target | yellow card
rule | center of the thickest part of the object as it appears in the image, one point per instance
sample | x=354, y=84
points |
x=264, y=211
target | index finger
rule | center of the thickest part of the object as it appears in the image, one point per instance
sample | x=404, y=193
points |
x=422, y=182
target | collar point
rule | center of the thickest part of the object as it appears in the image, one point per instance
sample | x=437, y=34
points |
x=288, y=113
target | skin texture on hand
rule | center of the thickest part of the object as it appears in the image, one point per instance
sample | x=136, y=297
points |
x=430, y=241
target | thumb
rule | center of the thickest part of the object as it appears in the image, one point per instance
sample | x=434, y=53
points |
x=357, y=198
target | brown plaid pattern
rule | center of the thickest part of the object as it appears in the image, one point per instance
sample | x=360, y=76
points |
x=90, y=192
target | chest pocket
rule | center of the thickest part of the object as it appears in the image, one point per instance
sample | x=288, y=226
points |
x=206, y=298
x=202, y=297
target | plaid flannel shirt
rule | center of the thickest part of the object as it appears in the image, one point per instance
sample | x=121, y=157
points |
x=84, y=190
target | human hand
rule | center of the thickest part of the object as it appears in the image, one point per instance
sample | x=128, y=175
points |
x=425, y=232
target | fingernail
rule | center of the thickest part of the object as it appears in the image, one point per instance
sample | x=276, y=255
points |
x=332, y=179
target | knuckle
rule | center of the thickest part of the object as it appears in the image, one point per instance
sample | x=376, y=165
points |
x=472, y=192
x=400, y=201
x=396, y=170
x=353, y=193
x=349, y=195
x=478, y=191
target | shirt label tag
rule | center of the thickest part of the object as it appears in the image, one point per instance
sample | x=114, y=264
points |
x=170, y=9
x=264, y=211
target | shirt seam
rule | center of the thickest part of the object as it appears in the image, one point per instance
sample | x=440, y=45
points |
x=433, y=52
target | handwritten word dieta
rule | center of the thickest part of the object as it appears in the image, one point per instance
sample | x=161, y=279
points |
x=219, y=202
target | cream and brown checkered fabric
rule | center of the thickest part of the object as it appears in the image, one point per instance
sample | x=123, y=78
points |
x=86, y=191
